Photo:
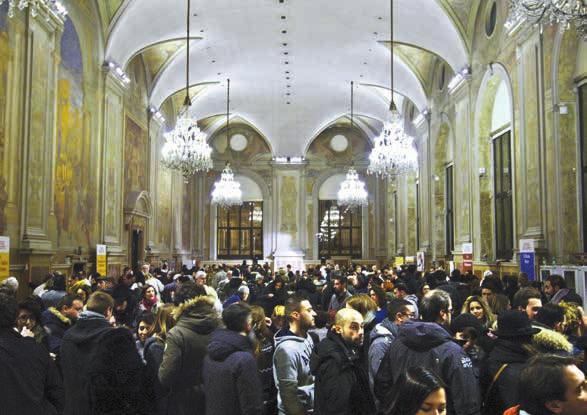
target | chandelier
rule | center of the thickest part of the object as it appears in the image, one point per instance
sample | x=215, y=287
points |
x=561, y=12
x=186, y=149
x=53, y=5
x=394, y=151
x=227, y=192
x=352, y=193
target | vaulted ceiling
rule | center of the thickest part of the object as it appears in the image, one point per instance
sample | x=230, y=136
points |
x=290, y=61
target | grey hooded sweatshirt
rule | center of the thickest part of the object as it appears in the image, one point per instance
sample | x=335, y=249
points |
x=291, y=370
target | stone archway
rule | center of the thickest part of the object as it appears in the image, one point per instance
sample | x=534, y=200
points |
x=494, y=81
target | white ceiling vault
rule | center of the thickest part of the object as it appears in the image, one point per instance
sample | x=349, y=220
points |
x=320, y=45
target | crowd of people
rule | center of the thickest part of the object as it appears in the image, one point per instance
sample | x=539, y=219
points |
x=246, y=340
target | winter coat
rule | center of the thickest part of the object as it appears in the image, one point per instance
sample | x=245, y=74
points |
x=30, y=380
x=78, y=348
x=180, y=372
x=291, y=370
x=342, y=383
x=265, y=368
x=504, y=393
x=231, y=380
x=381, y=338
x=153, y=355
x=55, y=325
x=118, y=383
x=429, y=345
x=338, y=301
x=567, y=295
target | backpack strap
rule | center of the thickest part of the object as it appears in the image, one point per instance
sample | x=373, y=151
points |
x=495, y=378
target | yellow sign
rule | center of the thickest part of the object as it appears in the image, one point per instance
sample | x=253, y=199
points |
x=4, y=257
x=101, y=259
x=399, y=260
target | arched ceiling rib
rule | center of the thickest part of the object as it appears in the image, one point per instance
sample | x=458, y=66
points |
x=328, y=44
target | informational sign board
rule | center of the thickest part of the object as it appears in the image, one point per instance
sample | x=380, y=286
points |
x=467, y=249
x=528, y=258
x=4, y=257
x=399, y=260
x=101, y=259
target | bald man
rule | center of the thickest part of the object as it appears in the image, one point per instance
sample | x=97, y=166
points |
x=341, y=381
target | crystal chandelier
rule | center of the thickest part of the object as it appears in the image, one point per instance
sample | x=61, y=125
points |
x=186, y=149
x=227, y=192
x=53, y=5
x=394, y=151
x=561, y=12
x=352, y=193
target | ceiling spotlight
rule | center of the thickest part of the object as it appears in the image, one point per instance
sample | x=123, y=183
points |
x=288, y=93
x=287, y=77
x=286, y=53
x=375, y=33
x=284, y=44
x=219, y=73
x=288, y=86
x=288, y=102
x=213, y=61
x=380, y=18
x=202, y=31
x=286, y=71
x=284, y=31
x=364, y=63
x=286, y=62
x=282, y=17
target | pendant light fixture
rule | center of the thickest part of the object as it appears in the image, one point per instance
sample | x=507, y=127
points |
x=227, y=191
x=394, y=151
x=352, y=193
x=186, y=149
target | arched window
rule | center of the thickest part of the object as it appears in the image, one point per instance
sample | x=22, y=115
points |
x=340, y=231
x=240, y=228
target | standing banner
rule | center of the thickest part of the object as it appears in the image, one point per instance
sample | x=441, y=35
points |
x=528, y=258
x=101, y=259
x=4, y=257
x=467, y=256
x=420, y=261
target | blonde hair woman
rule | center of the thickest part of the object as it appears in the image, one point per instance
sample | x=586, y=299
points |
x=479, y=308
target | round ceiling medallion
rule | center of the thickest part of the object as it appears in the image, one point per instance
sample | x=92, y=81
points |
x=339, y=143
x=238, y=142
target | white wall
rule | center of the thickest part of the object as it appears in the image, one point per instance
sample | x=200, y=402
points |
x=329, y=189
x=251, y=190
x=502, y=108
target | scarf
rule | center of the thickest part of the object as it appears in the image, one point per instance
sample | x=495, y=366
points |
x=148, y=304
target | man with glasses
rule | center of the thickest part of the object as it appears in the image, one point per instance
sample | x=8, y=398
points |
x=398, y=312
x=427, y=343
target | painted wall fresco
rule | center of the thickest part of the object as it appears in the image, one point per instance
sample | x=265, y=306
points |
x=164, y=214
x=74, y=185
x=136, y=98
x=289, y=195
x=4, y=59
x=135, y=156
x=256, y=148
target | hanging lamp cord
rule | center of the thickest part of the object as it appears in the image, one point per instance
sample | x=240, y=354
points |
x=392, y=106
x=187, y=102
x=227, y=108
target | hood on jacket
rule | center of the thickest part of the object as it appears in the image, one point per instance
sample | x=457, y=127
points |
x=52, y=312
x=226, y=342
x=197, y=314
x=550, y=341
x=422, y=336
x=285, y=335
x=385, y=329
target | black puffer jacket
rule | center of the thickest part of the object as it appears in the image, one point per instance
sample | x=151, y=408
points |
x=180, y=372
x=342, y=382
x=55, y=324
x=431, y=346
x=231, y=379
